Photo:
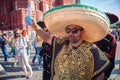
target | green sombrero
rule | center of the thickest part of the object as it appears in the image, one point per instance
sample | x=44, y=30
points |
x=94, y=22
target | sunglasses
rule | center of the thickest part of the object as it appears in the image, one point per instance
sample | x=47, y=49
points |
x=73, y=30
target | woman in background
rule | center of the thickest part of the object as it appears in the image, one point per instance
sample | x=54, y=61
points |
x=20, y=45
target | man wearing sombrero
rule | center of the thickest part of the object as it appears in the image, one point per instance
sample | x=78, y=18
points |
x=74, y=56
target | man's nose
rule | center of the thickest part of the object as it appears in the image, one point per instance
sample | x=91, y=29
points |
x=70, y=33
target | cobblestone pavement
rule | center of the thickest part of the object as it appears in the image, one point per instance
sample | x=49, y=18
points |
x=14, y=73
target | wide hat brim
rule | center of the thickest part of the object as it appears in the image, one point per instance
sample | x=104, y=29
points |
x=94, y=22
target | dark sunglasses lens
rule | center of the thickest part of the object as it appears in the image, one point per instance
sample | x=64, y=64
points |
x=74, y=31
x=67, y=31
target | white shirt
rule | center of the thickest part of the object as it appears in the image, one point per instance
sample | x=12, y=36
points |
x=20, y=46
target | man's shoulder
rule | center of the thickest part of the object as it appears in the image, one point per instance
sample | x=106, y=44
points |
x=61, y=40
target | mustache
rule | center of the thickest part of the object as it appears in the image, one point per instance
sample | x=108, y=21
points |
x=70, y=36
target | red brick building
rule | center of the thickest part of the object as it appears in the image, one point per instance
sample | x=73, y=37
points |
x=13, y=12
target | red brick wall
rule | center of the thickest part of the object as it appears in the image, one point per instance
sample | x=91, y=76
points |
x=68, y=2
x=5, y=9
x=12, y=12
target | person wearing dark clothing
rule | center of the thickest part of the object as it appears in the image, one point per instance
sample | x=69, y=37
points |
x=108, y=45
x=46, y=52
x=3, y=46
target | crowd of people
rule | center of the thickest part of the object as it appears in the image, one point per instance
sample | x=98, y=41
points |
x=79, y=47
x=116, y=33
x=17, y=45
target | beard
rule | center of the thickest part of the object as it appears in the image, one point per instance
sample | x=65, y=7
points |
x=73, y=39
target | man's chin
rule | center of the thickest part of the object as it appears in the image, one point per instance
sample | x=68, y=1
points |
x=72, y=41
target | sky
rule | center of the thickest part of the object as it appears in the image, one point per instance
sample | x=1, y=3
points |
x=111, y=6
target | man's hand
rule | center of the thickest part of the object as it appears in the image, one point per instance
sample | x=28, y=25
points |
x=44, y=36
x=33, y=21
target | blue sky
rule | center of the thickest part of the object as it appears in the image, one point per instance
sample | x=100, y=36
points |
x=112, y=6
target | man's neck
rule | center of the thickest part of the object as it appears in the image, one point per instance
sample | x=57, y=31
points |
x=78, y=43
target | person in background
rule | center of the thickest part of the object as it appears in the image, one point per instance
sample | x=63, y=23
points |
x=37, y=43
x=46, y=52
x=4, y=45
x=10, y=39
x=74, y=55
x=12, y=51
x=20, y=45
x=24, y=33
x=108, y=45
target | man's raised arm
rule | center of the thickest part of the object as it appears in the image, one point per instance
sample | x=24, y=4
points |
x=44, y=36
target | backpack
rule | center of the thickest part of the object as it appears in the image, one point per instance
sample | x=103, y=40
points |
x=2, y=40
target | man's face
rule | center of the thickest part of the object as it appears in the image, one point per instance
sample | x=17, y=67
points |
x=74, y=33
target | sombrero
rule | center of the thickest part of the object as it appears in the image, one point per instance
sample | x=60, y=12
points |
x=112, y=17
x=94, y=22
